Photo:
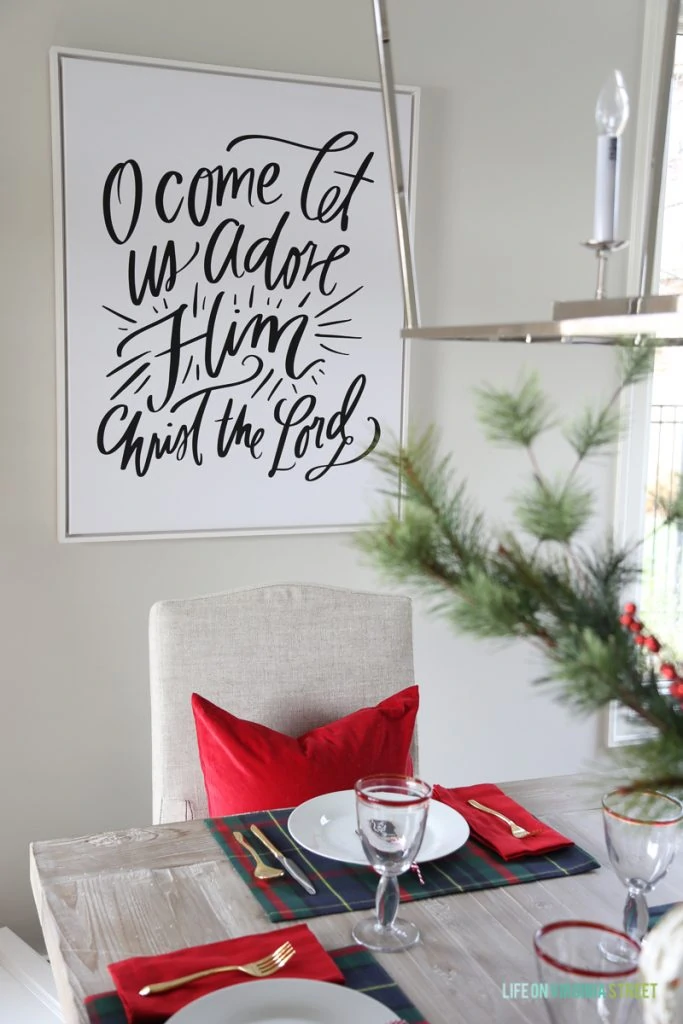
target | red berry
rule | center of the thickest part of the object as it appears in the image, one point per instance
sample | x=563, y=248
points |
x=652, y=644
x=630, y=608
x=639, y=639
x=636, y=626
x=626, y=620
x=667, y=670
x=676, y=689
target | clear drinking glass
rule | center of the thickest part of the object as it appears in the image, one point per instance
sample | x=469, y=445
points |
x=580, y=985
x=641, y=832
x=392, y=817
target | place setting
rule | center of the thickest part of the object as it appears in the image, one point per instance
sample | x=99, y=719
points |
x=462, y=848
x=297, y=981
x=391, y=840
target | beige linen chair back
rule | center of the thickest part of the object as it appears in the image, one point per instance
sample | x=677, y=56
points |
x=289, y=656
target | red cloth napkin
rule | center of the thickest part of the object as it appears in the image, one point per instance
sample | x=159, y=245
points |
x=493, y=832
x=310, y=961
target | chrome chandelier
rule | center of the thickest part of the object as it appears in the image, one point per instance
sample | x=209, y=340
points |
x=597, y=321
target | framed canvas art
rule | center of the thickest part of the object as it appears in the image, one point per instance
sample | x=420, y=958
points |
x=228, y=292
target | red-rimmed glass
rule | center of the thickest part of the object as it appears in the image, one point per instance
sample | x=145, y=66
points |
x=641, y=833
x=392, y=816
x=578, y=983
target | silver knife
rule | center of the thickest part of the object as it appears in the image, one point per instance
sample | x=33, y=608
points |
x=289, y=866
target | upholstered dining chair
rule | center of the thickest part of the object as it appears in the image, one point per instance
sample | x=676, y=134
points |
x=288, y=656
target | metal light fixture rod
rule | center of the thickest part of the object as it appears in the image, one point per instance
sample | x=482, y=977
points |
x=602, y=251
x=387, y=84
x=659, y=147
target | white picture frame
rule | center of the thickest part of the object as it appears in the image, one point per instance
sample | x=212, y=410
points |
x=151, y=226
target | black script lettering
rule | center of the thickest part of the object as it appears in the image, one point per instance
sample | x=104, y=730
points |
x=318, y=430
x=209, y=187
x=173, y=351
x=154, y=278
x=298, y=413
x=241, y=432
x=216, y=181
x=213, y=275
x=115, y=177
x=257, y=326
x=334, y=202
x=267, y=176
x=202, y=175
x=337, y=426
x=134, y=447
x=284, y=270
x=160, y=195
x=337, y=252
x=221, y=387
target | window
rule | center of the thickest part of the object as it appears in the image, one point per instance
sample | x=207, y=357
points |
x=651, y=453
x=662, y=583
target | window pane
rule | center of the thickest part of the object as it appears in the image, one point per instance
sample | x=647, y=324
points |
x=662, y=597
x=671, y=267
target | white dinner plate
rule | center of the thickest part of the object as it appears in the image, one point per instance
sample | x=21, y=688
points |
x=327, y=825
x=284, y=1001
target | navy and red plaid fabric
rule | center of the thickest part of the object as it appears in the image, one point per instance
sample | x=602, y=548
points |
x=341, y=887
x=360, y=969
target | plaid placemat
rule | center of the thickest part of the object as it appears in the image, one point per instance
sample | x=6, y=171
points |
x=658, y=912
x=341, y=887
x=360, y=969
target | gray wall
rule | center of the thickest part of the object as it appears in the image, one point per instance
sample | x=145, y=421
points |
x=505, y=195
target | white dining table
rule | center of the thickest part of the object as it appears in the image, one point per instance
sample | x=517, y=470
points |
x=143, y=891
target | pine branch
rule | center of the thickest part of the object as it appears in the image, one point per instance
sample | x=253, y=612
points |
x=538, y=475
x=655, y=764
x=547, y=586
x=637, y=361
x=591, y=671
x=593, y=431
x=626, y=698
x=554, y=512
x=427, y=482
x=514, y=418
x=561, y=597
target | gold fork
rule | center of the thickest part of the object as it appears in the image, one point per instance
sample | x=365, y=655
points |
x=517, y=830
x=261, y=870
x=257, y=969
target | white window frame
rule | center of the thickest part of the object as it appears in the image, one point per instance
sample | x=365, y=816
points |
x=632, y=455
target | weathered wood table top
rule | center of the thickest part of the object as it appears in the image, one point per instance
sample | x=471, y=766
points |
x=150, y=890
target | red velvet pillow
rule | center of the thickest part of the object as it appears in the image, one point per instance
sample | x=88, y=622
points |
x=248, y=767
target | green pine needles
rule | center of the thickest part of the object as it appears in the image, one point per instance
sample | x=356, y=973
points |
x=539, y=582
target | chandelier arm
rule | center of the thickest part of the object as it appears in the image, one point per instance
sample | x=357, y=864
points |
x=388, y=88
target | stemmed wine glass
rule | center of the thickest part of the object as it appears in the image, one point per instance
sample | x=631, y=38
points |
x=571, y=962
x=392, y=817
x=641, y=832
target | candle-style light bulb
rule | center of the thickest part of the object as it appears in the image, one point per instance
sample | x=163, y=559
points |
x=611, y=116
x=612, y=109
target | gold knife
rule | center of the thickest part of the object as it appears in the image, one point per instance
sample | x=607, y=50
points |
x=289, y=866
